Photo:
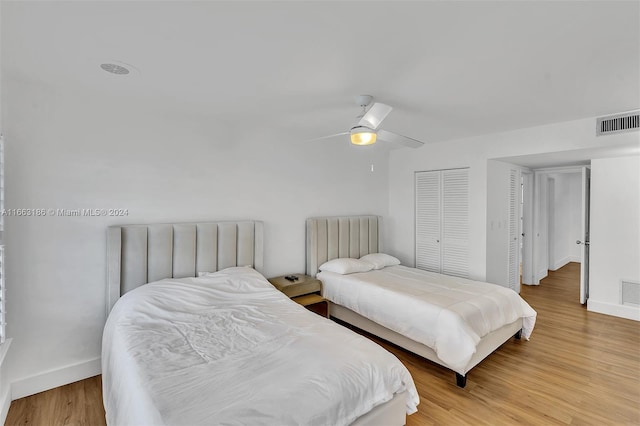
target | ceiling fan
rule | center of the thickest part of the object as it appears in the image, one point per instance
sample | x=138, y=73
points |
x=365, y=130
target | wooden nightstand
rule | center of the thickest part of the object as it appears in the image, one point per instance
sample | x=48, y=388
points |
x=305, y=290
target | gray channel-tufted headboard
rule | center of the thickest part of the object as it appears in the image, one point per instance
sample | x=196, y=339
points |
x=340, y=236
x=139, y=254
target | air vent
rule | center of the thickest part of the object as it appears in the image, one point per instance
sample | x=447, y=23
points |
x=630, y=292
x=618, y=123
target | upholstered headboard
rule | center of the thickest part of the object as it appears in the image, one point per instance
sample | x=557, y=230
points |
x=139, y=254
x=341, y=236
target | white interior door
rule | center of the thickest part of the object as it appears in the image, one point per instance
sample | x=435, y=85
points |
x=442, y=221
x=428, y=220
x=514, y=230
x=584, y=255
x=527, y=228
x=455, y=222
x=540, y=243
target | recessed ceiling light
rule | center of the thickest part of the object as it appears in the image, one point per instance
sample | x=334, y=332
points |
x=115, y=69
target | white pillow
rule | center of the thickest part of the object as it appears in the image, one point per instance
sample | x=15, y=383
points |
x=380, y=260
x=346, y=265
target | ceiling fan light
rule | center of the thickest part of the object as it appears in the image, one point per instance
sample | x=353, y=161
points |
x=363, y=136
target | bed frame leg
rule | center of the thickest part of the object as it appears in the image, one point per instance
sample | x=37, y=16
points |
x=518, y=335
x=461, y=380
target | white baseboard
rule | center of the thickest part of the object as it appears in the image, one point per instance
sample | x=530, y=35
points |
x=54, y=378
x=622, y=311
x=542, y=273
x=559, y=264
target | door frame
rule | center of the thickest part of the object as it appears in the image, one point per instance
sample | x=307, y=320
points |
x=527, y=226
x=543, y=173
x=586, y=215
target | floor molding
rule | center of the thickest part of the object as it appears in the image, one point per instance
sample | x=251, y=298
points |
x=54, y=378
x=564, y=262
x=620, y=311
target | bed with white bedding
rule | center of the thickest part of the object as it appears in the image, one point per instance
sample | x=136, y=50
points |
x=452, y=321
x=227, y=347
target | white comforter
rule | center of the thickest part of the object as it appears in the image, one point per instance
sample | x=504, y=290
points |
x=448, y=314
x=229, y=348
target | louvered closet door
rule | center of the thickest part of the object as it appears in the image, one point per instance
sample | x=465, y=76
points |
x=455, y=222
x=428, y=218
x=442, y=221
x=514, y=218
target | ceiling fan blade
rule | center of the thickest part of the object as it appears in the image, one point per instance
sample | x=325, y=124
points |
x=398, y=139
x=327, y=137
x=375, y=115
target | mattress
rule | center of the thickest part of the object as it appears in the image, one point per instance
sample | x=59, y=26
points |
x=448, y=314
x=228, y=348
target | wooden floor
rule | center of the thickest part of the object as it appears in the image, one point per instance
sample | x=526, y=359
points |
x=76, y=404
x=579, y=368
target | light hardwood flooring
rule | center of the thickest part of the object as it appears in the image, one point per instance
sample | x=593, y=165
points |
x=579, y=368
x=75, y=404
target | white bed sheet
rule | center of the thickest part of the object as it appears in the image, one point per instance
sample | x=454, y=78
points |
x=229, y=348
x=448, y=314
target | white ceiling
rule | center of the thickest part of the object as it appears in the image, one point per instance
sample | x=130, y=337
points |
x=449, y=69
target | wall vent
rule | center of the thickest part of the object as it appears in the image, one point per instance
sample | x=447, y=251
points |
x=618, y=123
x=630, y=293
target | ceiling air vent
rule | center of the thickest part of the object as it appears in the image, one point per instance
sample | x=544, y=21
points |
x=618, y=123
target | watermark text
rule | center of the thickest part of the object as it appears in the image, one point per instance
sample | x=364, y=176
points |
x=33, y=212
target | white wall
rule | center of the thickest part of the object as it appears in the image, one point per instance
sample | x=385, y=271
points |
x=497, y=222
x=474, y=153
x=615, y=233
x=5, y=397
x=567, y=219
x=542, y=188
x=69, y=151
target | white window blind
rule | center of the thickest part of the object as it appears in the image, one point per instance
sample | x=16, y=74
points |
x=2, y=286
x=442, y=221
